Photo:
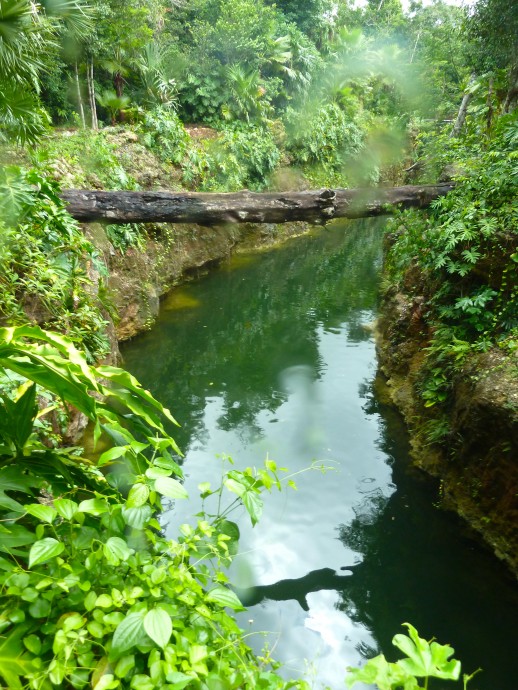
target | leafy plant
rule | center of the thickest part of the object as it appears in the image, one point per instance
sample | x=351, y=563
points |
x=163, y=133
x=28, y=39
x=244, y=156
x=422, y=660
x=43, y=258
x=126, y=235
x=322, y=137
x=114, y=104
x=464, y=253
x=92, y=594
x=83, y=159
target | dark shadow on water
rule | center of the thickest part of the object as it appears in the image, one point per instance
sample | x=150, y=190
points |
x=296, y=589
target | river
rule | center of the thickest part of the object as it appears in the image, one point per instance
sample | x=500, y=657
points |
x=272, y=355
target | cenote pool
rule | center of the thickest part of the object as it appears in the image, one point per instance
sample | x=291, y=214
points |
x=272, y=355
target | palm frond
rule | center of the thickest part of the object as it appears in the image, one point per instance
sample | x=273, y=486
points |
x=22, y=120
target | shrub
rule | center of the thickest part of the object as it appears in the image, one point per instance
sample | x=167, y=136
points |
x=164, y=134
x=43, y=262
x=322, y=137
x=243, y=156
x=92, y=594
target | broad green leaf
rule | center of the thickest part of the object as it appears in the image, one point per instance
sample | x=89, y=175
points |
x=95, y=629
x=83, y=537
x=44, y=549
x=15, y=663
x=197, y=653
x=40, y=608
x=155, y=472
x=116, y=550
x=54, y=374
x=112, y=454
x=14, y=536
x=125, y=379
x=114, y=618
x=66, y=508
x=141, y=681
x=204, y=488
x=426, y=658
x=218, y=682
x=158, y=625
x=62, y=344
x=253, y=505
x=137, y=518
x=225, y=597
x=90, y=599
x=234, y=486
x=137, y=496
x=24, y=411
x=167, y=463
x=71, y=621
x=381, y=673
x=178, y=680
x=125, y=665
x=94, y=506
x=107, y=682
x=11, y=479
x=104, y=601
x=43, y=513
x=128, y=633
x=33, y=644
x=167, y=486
x=231, y=530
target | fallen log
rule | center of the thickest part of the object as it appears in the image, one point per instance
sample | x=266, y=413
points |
x=316, y=206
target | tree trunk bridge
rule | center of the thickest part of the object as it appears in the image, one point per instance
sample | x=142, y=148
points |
x=315, y=206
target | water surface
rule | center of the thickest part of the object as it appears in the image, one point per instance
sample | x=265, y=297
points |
x=272, y=355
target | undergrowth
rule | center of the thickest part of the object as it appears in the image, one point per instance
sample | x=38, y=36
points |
x=464, y=252
x=45, y=261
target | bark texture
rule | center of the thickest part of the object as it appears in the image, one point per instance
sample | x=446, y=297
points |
x=246, y=207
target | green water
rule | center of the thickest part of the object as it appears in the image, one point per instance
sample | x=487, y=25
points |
x=273, y=355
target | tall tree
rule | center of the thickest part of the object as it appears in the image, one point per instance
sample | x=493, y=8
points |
x=313, y=17
x=493, y=28
x=384, y=18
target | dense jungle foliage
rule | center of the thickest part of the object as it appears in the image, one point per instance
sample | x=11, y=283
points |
x=218, y=95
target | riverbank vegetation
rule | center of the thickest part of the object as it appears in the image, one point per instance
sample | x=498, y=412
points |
x=213, y=95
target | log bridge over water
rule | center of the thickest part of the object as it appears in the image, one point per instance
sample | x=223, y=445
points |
x=315, y=206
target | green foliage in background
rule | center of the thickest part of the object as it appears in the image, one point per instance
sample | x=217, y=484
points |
x=323, y=139
x=85, y=159
x=162, y=132
x=44, y=260
x=242, y=156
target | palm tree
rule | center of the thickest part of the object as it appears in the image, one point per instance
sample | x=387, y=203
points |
x=23, y=37
x=28, y=36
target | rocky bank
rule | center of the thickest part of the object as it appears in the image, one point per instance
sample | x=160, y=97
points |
x=473, y=448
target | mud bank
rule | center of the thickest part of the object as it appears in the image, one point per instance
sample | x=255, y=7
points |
x=472, y=446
